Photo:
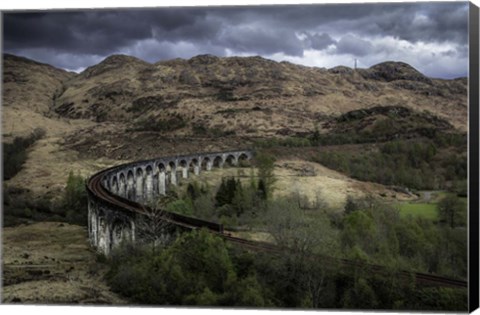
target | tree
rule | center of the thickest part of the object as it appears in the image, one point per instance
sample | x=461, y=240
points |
x=196, y=269
x=226, y=191
x=360, y=296
x=181, y=206
x=154, y=227
x=262, y=189
x=15, y=153
x=350, y=205
x=451, y=210
x=315, y=282
x=359, y=233
x=204, y=207
x=204, y=259
x=75, y=199
x=265, y=164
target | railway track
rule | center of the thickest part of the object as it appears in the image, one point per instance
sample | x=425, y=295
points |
x=94, y=185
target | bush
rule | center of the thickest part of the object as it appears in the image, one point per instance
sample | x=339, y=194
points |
x=416, y=164
x=180, y=206
x=215, y=132
x=196, y=269
x=15, y=153
x=75, y=200
x=265, y=164
x=161, y=125
x=452, y=211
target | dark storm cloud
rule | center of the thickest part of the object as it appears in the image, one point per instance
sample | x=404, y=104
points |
x=154, y=34
x=320, y=41
x=92, y=31
x=427, y=22
x=352, y=45
x=264, y=41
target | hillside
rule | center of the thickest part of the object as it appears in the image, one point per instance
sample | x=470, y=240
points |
x=51, y=262
x=208, y=95
x=248, y=96
x=125, y=109
x=29, y=91
x=31, y=85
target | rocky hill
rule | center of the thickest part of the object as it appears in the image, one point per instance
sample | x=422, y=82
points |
x=208, y=95
x=31, y=85
x=248, y=95
x=29, y=91
x=124, y=108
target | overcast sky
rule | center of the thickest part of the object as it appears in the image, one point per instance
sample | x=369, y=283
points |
x=432, y=37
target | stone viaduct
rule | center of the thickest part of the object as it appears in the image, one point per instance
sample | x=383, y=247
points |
x=117, y=195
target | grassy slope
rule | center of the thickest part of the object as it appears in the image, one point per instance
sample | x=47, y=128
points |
x=425, y=210
x=51, y=262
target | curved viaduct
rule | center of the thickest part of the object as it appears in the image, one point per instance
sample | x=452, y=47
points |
x=117, y=197
x=135, y=184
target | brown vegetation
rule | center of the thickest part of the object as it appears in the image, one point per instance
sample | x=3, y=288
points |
x=51, y=262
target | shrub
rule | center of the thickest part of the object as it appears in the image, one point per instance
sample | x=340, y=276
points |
x=416, y=164
x=161, y=125
x=15, y=153
x=75, y=200
x=181, y=207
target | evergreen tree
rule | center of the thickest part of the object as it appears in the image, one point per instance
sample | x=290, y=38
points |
x=265, y=164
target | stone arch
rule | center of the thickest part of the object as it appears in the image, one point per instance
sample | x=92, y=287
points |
x=103, y=234
x=172, y=167
x=162, y=170
x=218, y=161
x=194, y=166
x=94, y=227
x=243, y=157
x=139, y=183
x=230, y=160
x=114, y=185
x=149, y=170
x=122, y=185
x=130, y=185
x=106, y=183
x=184, y=168
x=206, y=164
x=121, y=232
x=91, y=214
x=161, y=167
x=149, y=181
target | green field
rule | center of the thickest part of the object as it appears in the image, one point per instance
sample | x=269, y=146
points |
x=425, y=210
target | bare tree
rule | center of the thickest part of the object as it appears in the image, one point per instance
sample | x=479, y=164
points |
x=293, y=228
x=315, y=282
x=155, y=228
x=305, y=235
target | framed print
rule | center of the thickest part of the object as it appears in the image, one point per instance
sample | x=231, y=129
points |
x=269, y=157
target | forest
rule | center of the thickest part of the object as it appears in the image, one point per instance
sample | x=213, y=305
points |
x=198, y=268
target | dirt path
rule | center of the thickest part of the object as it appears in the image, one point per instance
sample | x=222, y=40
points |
x=52, y=263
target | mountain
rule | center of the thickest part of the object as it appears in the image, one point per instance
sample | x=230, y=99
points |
x=210, y=96
x=29, y=91
x=30, y=84
x=248, y=95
